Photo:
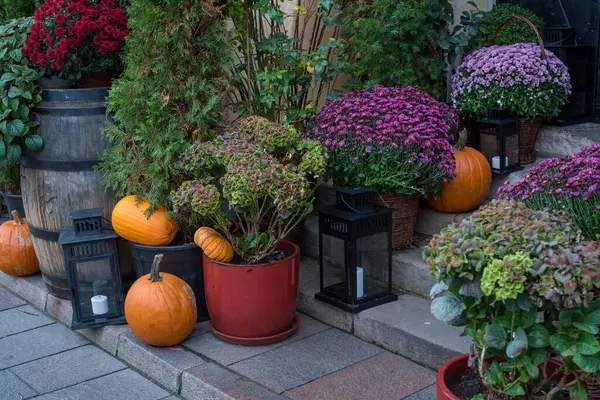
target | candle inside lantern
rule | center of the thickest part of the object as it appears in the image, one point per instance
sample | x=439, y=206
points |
x=99, y=305
x=496, y=162
x=360, y=288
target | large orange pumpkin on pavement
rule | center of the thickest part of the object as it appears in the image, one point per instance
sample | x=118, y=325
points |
x=471, y=186
x=17, y=256
x=130, y=222
x=160, y=308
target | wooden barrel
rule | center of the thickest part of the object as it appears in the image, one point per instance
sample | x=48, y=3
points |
x=60, y=178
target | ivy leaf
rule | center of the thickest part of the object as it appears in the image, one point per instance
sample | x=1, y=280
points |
x=587, y=363
x=7, y=77
x=561, y=342
x=13, y=153
x=518, y=345
x=27, y=95
x=587, y=344
x=578, y=392
x=16, y=54
x=495, y=336
x=516, y=391
x=14, y=92
x=34, y=142
x=538, y=336
x=15, y=127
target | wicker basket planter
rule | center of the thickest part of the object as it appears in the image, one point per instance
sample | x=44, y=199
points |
x=404, y=218
x=530, y=128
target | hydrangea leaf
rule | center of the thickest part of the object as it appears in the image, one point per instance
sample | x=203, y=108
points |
x=447, y=308
x=518, y=344
x=495, y=336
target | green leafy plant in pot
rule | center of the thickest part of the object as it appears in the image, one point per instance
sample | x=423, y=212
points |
x=524, y=288
x=18, y=96
x=260, y=177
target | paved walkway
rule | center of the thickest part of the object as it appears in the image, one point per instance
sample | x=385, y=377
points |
x=39, y=357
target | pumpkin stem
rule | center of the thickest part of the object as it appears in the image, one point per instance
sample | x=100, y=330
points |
x=17, y=217
x=462, y=140
x=154, y=272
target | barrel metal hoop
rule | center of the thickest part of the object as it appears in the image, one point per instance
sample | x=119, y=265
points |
x=71, y=112
x=43, y=234
x=66, y=166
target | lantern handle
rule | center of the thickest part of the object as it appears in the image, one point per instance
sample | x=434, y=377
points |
x=155, y=271
x=531, y=25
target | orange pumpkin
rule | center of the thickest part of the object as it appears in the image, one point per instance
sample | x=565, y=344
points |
x=160, y=308
x=471, y=186
x=217, y=248
x=17, y=256
x=130, y=222
x=202, y=234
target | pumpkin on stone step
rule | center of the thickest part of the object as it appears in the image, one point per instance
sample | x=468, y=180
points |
x=471, y=186
x=17, y=256
x=160, y=308
x=130, y=222
x=215, y=246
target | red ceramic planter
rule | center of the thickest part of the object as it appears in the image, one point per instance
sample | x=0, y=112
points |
x=451, y=369
x=253, y=304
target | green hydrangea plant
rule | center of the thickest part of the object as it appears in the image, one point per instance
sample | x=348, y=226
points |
x=523, y=286
x=259, y=174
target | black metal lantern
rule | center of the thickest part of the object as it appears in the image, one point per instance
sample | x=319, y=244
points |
x=92, y=265
x=356, y=272
x=498, y=140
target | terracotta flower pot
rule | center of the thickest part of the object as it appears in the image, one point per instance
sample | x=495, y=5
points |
x=253, y=304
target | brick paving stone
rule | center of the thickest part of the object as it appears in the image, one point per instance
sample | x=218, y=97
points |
x=122, y=385
x=163, y=364
x=15, y=320
x=425, y=394
x=37, y=343
x=12, y=388
x=9, y=300
x=67, y=369
x=209, y=381
x=385, y=376
x=300, y=362
x=226, y=353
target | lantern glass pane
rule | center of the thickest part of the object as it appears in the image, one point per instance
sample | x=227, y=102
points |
x=372, y=265
x=96, y=288
x=512, y=150
x=490, y=146
x=334, y=268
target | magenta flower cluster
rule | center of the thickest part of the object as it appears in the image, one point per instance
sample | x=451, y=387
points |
x=576, y=176
x=514, y=77
x=380, y=118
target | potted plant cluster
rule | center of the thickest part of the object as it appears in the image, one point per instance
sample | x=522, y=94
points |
x=253, y=185
x=524, y=287
x=19, y=94
x=395, y=140
x=570, y=184
x=523, y=79
x=75, y=42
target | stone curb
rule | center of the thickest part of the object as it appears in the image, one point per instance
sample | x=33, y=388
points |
x=174, y=368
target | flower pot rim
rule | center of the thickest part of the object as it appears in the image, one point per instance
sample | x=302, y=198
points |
x=188, y=246
x=440, y=379
x=284, y=260
x=9, y=195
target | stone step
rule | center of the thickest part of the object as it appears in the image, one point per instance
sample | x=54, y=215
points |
x=405, y=327
x=559, y=141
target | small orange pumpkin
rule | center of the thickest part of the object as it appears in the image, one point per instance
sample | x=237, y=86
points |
x=17, y=255
x=471, y=186
x=216, y=247
x=202, y=234
x=160, y=308
x=130, y=222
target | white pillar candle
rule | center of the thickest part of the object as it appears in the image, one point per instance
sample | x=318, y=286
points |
x=496, y=162
x=99, y=305
x=360, y=288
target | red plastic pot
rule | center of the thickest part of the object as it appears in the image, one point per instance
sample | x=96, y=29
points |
x=253, y=304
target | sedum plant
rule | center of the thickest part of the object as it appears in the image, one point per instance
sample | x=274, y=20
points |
x=18, y=95
x=261, y=175
x=524, y=288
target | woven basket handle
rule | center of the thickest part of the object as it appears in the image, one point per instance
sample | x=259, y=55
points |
x=531, y=25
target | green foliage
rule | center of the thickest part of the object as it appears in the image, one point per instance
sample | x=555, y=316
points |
x=538, y=284
x=169, y=96
x=283, y=66
x=513, y=32
x=18, y=95
x=264, y=172
x=13, y=9
x=392, y=43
